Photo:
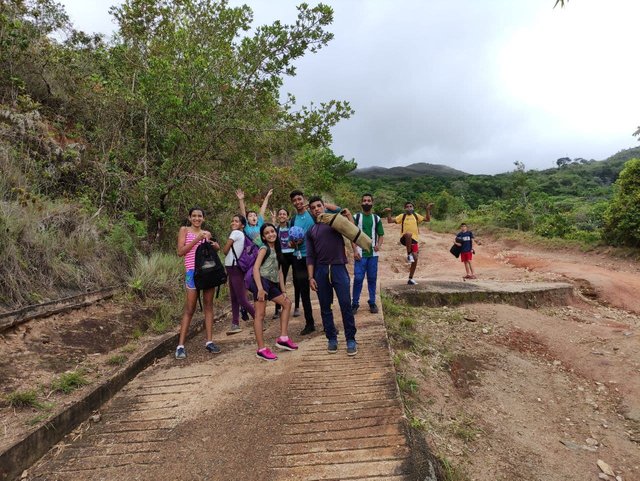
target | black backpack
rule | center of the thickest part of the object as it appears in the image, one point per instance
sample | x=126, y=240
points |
x=209, y=271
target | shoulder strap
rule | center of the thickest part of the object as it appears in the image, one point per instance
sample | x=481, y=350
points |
x=376, y=220
x=357, y=219
x=268, y=253
x=404, y=216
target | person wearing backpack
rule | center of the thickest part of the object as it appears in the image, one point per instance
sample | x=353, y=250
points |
x=409, y=233
x=267, y=284
x=327, y=269
x=464, y=239
x=189, y=239
x=366, y=262
x=233, y=249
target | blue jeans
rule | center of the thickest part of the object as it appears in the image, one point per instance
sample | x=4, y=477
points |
x=368, y=266
x=335, y=278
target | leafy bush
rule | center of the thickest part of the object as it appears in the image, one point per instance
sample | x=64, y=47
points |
x=622, y=218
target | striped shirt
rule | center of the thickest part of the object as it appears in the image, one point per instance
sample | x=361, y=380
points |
x=190, y=257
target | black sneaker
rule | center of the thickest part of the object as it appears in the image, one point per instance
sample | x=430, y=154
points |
x=212, y=348
x=244, y=314
x=307, y=330
x=354, y=309
x=373, y=309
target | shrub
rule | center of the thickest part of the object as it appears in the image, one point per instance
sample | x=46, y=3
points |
x=69, y=382
x=19, y=399
x=157, y=275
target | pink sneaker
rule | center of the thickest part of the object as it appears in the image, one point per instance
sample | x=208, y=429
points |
x=288, y=345
x=266, y=354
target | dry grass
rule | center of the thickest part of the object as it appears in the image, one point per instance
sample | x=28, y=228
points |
x=50, y=249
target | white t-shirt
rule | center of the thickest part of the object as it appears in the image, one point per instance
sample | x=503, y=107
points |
x=238, y=244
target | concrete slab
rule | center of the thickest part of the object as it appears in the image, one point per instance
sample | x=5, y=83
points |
x=436, y=293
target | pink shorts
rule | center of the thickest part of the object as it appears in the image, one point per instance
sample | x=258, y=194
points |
x=466, y=256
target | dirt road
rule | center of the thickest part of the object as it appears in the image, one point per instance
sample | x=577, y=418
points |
x=544, y=393
x=529, y=394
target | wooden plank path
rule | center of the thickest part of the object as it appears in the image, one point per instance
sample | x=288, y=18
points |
x=328, y=417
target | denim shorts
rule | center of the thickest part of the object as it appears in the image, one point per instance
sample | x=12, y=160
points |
x=189, y=281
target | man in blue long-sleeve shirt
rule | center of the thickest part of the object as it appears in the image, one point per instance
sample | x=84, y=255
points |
x=326, y=264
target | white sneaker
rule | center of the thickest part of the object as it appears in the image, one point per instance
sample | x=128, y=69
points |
x=411, y=282
x=410, y=259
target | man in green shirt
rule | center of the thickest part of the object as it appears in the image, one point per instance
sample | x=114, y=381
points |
x=366, y=262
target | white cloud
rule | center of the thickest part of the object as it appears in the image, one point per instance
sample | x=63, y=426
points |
x=471, y=84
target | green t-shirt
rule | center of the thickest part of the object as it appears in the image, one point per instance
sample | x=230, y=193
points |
x=365, y=222
x=269, y=267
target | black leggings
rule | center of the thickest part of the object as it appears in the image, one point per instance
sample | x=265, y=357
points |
x=287, y=262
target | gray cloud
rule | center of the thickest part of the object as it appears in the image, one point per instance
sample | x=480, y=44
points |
x=475, y=85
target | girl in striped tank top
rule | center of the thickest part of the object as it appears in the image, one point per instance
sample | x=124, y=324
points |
x=189, y=238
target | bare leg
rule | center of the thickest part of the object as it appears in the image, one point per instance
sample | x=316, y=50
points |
x=258, y=322
x=207, y=305
x=187, y=314
x=414, y=264
x=407, y=241
x=285, y=313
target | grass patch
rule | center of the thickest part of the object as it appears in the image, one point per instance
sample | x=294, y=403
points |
x=418, y=423
x=393, y=308
x=37, y=419
x=407, y=385
x=23, y=399
x=463, y=427
x=451, y=472
x=167, y=311
x=137, y=333
x=117, y=360
x=129, y=348
x=69, y=382
x=156, y=276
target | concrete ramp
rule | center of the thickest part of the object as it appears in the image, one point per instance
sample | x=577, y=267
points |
x=435, y=293
x=309, y=416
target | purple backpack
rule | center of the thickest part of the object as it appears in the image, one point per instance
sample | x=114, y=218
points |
x=247, y=257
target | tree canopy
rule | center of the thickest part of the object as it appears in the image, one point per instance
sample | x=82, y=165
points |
x=183, y=104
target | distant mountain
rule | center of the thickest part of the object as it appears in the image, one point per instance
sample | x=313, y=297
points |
x=412, y=170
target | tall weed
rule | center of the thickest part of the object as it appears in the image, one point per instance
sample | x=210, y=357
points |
x=50, y=249
x=156, y=275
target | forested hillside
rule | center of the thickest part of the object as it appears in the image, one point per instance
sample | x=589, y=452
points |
x=106, y=143
x=577, y=200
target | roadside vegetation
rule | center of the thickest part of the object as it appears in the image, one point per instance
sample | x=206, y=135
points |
x=104, y=148
x=415, y=354
x=580, y=203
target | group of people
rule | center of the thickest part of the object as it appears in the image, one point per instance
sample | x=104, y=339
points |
x=317, y=260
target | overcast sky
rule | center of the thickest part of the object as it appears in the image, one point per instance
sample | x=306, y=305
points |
x=472, y=84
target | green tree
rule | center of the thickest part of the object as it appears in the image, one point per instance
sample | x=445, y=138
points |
x=622, y=218
x=204, y=97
